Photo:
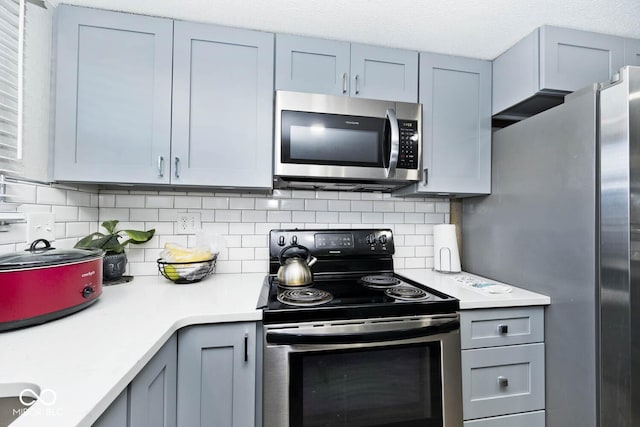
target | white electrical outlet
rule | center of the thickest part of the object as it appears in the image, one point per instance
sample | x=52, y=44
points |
x=41, y=225
x=188, y=223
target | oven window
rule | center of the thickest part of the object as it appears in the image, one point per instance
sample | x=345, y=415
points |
x=397, y=386
x=331, y=139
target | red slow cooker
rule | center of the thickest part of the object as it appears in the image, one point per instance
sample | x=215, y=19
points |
x=43, y=283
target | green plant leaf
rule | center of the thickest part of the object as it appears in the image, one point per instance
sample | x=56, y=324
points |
x=88, y=241
x=137, y=236
x=110, y=226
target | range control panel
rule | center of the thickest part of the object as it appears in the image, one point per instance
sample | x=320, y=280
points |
x=409, y=144
x=330, y=243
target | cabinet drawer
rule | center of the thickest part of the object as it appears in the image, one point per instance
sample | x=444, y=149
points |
x=502, y=380
x=490, y=328
x=530, y=419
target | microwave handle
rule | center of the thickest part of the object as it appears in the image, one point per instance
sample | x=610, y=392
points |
x=395, y=143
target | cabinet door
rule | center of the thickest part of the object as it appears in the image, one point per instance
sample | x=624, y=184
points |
x=222, y=131
x=116, y=414
x=502, y=380
x=217, y=379
x=632, y=52
x=384, y=73
x=153, y=391
x=456, y=130
x=528, y=419
x=113, y=96
x=571, y=59
x=306, y=64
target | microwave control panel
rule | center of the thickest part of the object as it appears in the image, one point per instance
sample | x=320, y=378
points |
x=409, y=139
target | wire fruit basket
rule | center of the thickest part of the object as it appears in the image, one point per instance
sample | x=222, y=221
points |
x=186, y=272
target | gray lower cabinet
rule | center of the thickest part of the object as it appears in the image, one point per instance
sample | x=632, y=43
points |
x=217, y=375
x=307, y=64
x=632, y=52
x=503, y=369
x=150, y=399
x=455, y=94
x=113, y=96
x=116, y=414
x=551, y=62
x=147, y=100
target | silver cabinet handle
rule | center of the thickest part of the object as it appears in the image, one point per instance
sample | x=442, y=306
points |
x=161, y=166
x=357, y=84
x=177, y=164
x=345, y=82
x=246, y=346
x=503, y=329
x=503, y=381
x=395, y=142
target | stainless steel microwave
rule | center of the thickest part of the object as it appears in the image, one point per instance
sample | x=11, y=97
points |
x=344, y=143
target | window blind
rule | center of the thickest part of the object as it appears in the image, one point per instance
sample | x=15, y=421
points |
x=11, y=58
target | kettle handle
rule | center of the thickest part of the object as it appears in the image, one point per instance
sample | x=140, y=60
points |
x=310, y=260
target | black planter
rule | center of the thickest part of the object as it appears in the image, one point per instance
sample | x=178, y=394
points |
x=114, y=266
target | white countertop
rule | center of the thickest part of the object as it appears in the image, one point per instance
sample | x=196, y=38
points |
x=460, y=285
x=88, y=358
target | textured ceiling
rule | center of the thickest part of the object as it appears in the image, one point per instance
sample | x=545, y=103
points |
x=473, y=28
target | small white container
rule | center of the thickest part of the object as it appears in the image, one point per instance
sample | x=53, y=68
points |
x=445, y=249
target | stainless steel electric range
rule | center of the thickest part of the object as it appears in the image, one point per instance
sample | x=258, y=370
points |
x=358, y=345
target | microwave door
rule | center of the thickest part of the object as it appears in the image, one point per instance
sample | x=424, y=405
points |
x=391, y=143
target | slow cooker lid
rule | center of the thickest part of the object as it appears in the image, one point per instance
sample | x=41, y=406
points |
x=41, y=254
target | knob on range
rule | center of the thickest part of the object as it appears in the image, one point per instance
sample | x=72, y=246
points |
x=281, y=241
x=371, y=239
x=382, y=239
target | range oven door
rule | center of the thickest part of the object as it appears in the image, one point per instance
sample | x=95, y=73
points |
x=377, y=372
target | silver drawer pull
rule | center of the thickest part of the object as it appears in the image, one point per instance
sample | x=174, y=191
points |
x=503, y=381
x=503, y=329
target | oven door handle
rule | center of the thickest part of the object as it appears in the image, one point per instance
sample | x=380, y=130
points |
x=292, y=338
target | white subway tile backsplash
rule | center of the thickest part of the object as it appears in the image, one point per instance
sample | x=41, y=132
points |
x=159, y=202
x=339, y=205
x=383, y=206
x=240, y=203
x=187, y=202
x=143, y=214
x=242, y=228
x=215, y=203
x=51, y=196
x=129, y=201
x=228, y=216
x=292, y=205
x=279, y=216
x=242, y=219
x=327, y=217
x=65, y=213
x=267, y=204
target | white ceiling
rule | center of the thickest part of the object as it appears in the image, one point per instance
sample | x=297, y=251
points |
x=473, y=28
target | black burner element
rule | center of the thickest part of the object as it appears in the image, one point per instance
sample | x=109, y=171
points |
x=407, y=293
x=304, y=297
x=380, y=282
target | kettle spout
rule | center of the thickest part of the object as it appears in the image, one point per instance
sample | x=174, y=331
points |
x=312, y=261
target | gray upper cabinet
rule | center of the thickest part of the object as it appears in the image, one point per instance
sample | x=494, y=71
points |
x=632, y=52
x=222, y=106
x=306, y=64
x=551, y=62
x=152, y=393
x=217, y=381
x=455, y=94
x=113, y=96
x=117, y=119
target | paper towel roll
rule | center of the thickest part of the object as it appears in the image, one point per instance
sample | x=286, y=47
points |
x=445, y=249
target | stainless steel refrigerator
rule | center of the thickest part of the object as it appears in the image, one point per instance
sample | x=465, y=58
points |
x=563, y=219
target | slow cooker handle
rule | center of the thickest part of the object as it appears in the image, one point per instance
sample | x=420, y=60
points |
x=33, y=247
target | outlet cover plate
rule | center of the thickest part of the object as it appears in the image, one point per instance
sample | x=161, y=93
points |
x=188, y=223
x=41, y=225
